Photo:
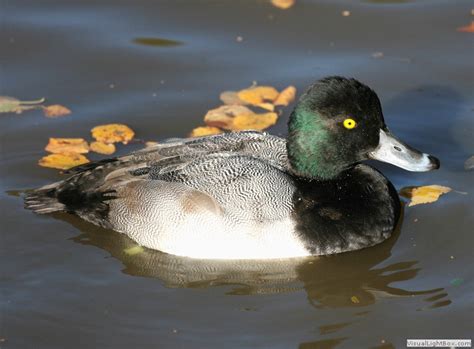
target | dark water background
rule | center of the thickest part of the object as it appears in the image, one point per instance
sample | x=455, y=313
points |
x=59, y=291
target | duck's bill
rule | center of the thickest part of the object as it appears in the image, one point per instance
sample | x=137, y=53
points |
x=397, y=153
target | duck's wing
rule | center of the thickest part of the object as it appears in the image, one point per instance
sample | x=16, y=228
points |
x=262, y=145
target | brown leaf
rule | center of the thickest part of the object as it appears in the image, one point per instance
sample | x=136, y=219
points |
x=283, y=4
x=55, y=111
x=150, y=144
x=258, y=94
x=467, y=29
x=63, y=161
x=238, y=117
x=205, y=131
x=113, y=133
x=67, y=145
x=103, y=148
x=286, y=96
x=423, y=195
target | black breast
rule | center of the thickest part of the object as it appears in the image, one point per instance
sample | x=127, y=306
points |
x=358, y=209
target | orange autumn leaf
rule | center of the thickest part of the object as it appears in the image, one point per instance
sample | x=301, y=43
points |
x=258, y=94
x=467, y=29
x=204, y=131
x=113, y=133
x=67, y=145
x=231, y=98
x=102, y=148
x=423, y=195
x=239, y=117
x=56, y=110
x=63, y=161
x=286, y=96
x=283, y=4
x=253, y=121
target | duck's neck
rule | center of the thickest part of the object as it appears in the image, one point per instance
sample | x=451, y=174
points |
x=310, y=149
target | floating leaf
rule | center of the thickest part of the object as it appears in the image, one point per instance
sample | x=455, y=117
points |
x=102, y=148
x=286, y=96
x=55, y=110
x=283, y=4
x=113, y=133
x=456, y=281
x=256, y=95
x=467, y=29
x=355, y=300
x=423, y=195
x=254, y=121
x=133, y=250
x=67, y=145
x=63, y=161
x=267, y=106
x=157, y=42
x=13, y=105
x=205, y=131
x=238, y=117
x=231, y=98
x=150, y=144
x=469, y=164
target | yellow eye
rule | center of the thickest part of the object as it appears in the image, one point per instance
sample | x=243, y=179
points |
x=349, y=124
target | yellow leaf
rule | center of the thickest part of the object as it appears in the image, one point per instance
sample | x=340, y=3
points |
x=258, y=94
x=67, y=145
x=283, y=4
x=254, y=121
x=113, y=133
x=423, y=195
x=134, y=250
x=103, y=148
x=56, y=110
x=238, y=117
x=355, y=300
x=231, y=97
x=63, y=161
x=205, y=131
x=286, y=96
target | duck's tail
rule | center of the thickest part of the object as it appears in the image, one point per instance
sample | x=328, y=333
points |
x=44, y=200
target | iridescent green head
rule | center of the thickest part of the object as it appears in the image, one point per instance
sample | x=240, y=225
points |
x=337, y=123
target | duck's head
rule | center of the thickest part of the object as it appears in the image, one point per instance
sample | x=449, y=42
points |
x=337, y=123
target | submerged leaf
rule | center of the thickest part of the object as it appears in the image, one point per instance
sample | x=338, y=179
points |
x=423, y=195
x=113, y=133
x=157, y=42
x=63, y=161
x=13, y=105
x=205, y=131
x=286, y=96
x=469, y=164
x=103, y=148
x=283, y=4
x=355, y=300
x=67, y=145
x=258, y=94
x=131, y=251
x=55, y=110
x=467, y=29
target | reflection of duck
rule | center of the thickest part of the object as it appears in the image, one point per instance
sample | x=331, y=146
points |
x=252, y=195
x=328, y=281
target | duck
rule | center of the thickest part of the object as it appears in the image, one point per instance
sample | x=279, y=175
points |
x=250, y=194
